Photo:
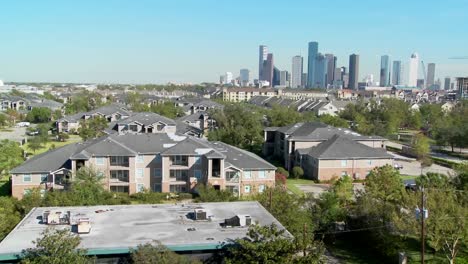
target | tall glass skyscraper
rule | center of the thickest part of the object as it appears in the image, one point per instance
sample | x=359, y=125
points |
x=353, y=72
x=313, y=51
x=413, y=70
x=296, y=71
x=430, y=75
x=396, y=73
x=384, y=71
x=331, y=64
x=262, y=56
x=320, y=72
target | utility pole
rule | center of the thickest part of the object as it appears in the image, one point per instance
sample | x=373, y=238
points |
x=422, y=214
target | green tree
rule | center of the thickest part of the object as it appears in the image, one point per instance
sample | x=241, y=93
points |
x=11, y=155
x=335, y=121
x=156, y=252
x=420, y=146
x=297, y=172
x=34, y=144
x=280, y=116
x=57, y=114
x=39, y=115
x=87, y=188
x=206, y=193
x=268, y=244
x=282, y=171
x=3, y=120
x=55, y=247
x=167, y=109
x=92, y=128
x=9, y=216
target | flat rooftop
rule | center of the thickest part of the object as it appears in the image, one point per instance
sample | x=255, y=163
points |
x=116, y=228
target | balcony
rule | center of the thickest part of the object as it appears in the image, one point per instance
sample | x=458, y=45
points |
x=179, y=160
x=119, y=176
x=119, y=161
x=232, y=176
x=178, y=175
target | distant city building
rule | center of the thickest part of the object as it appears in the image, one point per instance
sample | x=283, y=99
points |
x=262, y=56
x=462, y=87
x=447, y=83
x=420, y=83
x=353, y=71
x=222, y=79
x=311, y=60
x=396, y=73
x=297, y=71
x=413, y=70
x=283, y=81
x=244, y=75
x=268, y=68
x=384, y=71
x=369, y=80
x=337, y=74
x=304, y=80
x=330, y=73
x=320, y=72
x=430, y=75
x=228, y=78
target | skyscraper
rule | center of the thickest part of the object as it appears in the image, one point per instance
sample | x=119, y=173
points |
x=244, y=75
x=304, y=79
x=430, y=75
x=330, y=74
x=447, y=83
x=396, y=73
x=268, y=67
x=413, y=70
x=228, y=78
x=311, y=60
x=283, y=81
x=320, y=72
x=353, y=71
x=262, y=56
x=296, y=71
x=384, y=71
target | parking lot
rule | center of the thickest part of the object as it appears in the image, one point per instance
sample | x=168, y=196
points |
x=13, y=133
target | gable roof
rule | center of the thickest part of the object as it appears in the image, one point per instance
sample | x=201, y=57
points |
x=339, y=147
x=146, y=119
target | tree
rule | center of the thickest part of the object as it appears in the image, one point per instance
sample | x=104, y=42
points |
x=420, y=146
x=335, y=121
x=268, y=244
x=167, y=109
x=9, y=216
x=57, y=114
x=11, y=155
x=55, y=247
x=39, y=115
x=92, y=128
x=157, y=253
x=3, y=120
x=63, y=137
x=43, y=130
x=87, y=187
x=35, y=144
x=297, y=172
x=283, y=171
x=206, y=193
x=280, y=116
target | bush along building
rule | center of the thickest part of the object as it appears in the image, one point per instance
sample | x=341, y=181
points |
x=161, y=162
x=325, y=152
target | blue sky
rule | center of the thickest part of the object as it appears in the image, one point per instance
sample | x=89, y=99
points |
x=197, y=40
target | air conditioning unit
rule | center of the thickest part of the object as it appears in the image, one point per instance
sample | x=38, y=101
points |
x=200, y=215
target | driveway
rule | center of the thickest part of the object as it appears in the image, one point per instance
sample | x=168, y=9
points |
x=414, y=168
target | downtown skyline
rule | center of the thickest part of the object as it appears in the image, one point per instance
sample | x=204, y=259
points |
x=159, y=42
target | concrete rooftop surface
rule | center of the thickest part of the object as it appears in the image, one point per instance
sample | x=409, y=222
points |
x=122, y=227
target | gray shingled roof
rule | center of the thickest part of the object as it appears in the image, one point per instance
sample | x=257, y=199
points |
x=189, y=146
x=340, y=147
x=241, y=158
x=146, y=118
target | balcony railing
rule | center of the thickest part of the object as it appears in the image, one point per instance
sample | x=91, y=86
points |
x=232, y=177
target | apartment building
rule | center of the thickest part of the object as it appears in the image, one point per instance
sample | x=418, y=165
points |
x=111, y=113
x=282, y=142
x=161, y=162
x=245, y=94
x=340, y=156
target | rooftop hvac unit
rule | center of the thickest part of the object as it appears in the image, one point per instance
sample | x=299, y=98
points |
x=238, y=220
x=56, y=217
x=200, y=215
x=84, y=226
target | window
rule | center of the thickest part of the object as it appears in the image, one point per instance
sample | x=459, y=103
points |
x=179, y=160
x=177, y=188
x=140, y=187
x=233, y=189
x=344, y=173
x=197, y=174
x=44, y=177
x=179, y=175
x=232, y=176
x=140, y=159
x=197, y=160
x=27, y=178
x=369, y=162
x=120, y=175
x=247, y=174
x=157, y=187
x=139, y=173
x=118, y=161
x=261, y=188
x=344, y=163
x=121, y=189
x=261, y=174
x=133, y=128
x=160, y=127
x=157, y=173
x=100, y=161
x=247, y=188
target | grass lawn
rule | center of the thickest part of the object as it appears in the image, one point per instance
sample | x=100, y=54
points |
x=57, y=144
x=291, y=184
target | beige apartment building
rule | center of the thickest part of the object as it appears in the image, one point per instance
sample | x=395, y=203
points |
x=159, y=162
x=245, y=94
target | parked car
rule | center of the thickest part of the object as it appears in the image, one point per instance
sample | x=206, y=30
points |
x=398, y=166
x=32, y=133
x=23, y=124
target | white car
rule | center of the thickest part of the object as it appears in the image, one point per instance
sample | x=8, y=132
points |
x=23, y=124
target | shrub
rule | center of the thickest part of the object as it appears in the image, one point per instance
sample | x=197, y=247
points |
x=280, y=179
x=283, y=171
x=184, y=196
x=148, y=197
x=297, y=172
